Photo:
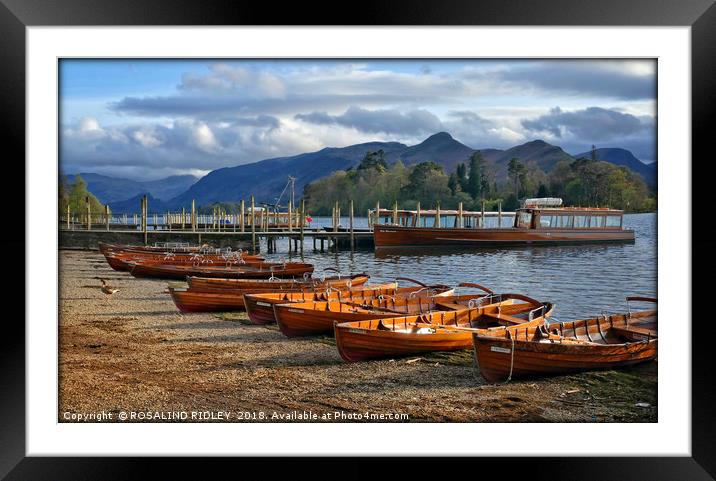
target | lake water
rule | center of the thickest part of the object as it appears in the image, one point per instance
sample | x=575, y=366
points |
x=582, y=280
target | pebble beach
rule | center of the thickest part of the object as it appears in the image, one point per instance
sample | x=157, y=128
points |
x=135, y=353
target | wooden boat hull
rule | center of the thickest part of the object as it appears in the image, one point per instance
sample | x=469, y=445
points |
x=187, y=300
x=390, y=236
x=225, y=300
x=294, y=322
x=494, y=357
x=355, y=345
x=260, y=306
x=400, y=337
x=161, y=271
x=210, y=283
x=569, y=347
x=319, y=317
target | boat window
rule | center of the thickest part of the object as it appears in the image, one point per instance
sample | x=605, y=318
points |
x=596, y=221
x=614, y=221
x=546, y=221
x=580, y=221
x=566, y=221
x=524, y=220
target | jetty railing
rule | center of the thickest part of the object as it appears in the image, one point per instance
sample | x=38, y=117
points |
x=262, y=222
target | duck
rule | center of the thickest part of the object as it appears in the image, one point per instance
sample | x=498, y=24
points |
x=107, y=289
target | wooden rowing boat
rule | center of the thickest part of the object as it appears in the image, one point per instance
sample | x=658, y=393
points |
x=176, y=248
x=602, y=342
x=260, y=306
x=120, y=261
x=252, y=271
x=446, y=330
x=190, y=299
x=318, y=317
x=271, y=285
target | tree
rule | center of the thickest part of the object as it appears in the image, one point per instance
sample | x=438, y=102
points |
x=461, y=172
x=374, y=160
x=476, y=180
x=542, y=191
x=454, y=183
x=516, y=172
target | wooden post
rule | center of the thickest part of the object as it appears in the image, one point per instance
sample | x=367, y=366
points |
x=89, y=213
x=106, y=215
x=146, y=212
x=461, y=223
x=395, y=212
x=253, y=226
x=290, y=214
x=333, y=218
x=350, y=223
x=243, y=218
x=183, y=218
x=68, y=216
x=437, y=216
x=302, y=221
x=168, y=219
x=417, y=218
x=193, y=215
x=377, y=213
x=482, y=216
x=499, y=214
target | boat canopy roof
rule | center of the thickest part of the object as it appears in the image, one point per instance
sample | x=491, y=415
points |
x=573, y=210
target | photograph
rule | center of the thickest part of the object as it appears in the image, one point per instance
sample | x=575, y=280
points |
x=357, y=239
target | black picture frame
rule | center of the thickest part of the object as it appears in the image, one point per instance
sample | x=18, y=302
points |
x=700, y=15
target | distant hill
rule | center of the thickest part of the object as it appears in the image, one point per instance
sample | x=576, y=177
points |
x=266, y=179
x=129, y=206
x=625, y=158
x=441, y=148
x=113, y=189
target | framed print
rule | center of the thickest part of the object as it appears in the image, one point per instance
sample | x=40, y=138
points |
x=245, y=229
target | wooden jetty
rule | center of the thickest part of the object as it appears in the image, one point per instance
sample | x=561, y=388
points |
x=244, y=229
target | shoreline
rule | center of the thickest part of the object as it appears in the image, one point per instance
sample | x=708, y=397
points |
x=135, y=352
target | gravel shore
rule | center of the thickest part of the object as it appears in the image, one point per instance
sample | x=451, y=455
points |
x=135, y=353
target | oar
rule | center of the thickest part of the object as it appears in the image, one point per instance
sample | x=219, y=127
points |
x=477, y=286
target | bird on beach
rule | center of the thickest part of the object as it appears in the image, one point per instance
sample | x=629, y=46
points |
x=107, y=289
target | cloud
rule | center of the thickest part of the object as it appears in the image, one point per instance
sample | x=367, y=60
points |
x=576, y=130
x=235, y=112
x=594, y=123
x=414, y=122
x=627, y=79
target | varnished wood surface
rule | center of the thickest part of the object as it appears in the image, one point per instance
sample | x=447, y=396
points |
x=434, y=331
x=391, y=236
x=597, y=343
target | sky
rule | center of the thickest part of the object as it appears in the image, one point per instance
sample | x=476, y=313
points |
x=146, y=119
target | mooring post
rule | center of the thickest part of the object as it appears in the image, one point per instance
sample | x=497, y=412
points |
x=68, y=215
x=106, y=215
x=395, y=212
x=89, y=219
x=253, y=226
x=193, y=215
x=243, y=218
x=499, y=214
x=482, y=216
x=437, y=216
x=302, y=221
x=290, y=214
x=461, y=223
x=350, y=222
x=146, y=212
x=417, y=217
x=377, y=213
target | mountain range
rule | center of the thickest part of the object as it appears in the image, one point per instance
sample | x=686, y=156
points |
x=112, y=189
x=267, y=179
